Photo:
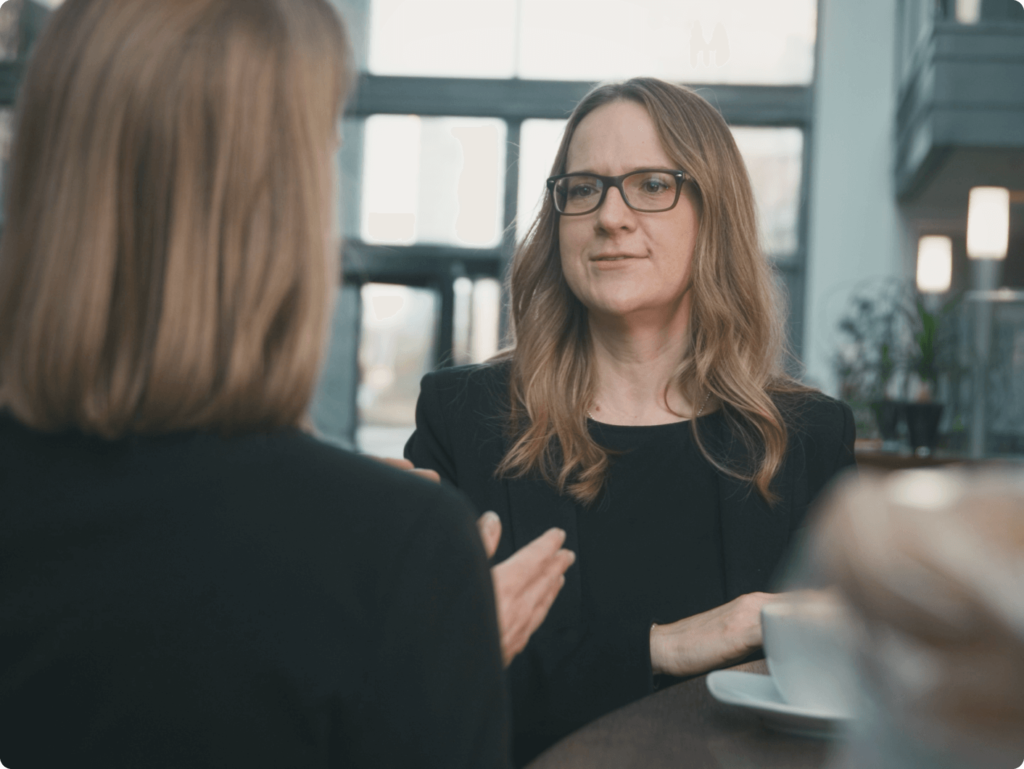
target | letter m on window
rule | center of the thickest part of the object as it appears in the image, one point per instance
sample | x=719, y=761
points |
x=702, y=51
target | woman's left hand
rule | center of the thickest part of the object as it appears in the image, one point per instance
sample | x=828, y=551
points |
x=712, y=639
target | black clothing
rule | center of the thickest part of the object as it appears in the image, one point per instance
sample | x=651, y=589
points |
x=581, y=664
x=654, y=530
x=264, y=600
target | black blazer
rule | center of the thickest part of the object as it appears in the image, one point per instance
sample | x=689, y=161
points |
x=573, y=671
x=258, y=601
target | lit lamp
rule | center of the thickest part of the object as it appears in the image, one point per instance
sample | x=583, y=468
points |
x=988, y=239
x=988, y=234
x=934, y=264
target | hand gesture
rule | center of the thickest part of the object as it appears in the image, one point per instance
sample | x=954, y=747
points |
x=526, y=584
x=405, y=464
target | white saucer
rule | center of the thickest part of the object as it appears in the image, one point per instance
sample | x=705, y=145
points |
x=758, y=693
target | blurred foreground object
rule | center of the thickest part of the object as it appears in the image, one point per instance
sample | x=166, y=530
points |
x=932, y=562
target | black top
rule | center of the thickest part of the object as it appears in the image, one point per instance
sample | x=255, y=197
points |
x=258, y=601
x=650, y=550
x=578, y=665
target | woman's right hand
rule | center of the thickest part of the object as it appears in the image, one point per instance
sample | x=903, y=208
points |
x=525, y=584
x=713, y=639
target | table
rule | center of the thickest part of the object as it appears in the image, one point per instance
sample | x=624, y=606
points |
x=683, y=727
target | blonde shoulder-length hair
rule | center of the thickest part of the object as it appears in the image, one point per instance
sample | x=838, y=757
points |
x=166, y=262
x=736, y=337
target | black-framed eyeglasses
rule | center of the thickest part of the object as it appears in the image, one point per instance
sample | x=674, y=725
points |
x=649, y=190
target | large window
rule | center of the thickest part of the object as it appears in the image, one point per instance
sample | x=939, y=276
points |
x=693, y=41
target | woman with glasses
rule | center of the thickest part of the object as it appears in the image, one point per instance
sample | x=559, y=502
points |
x=187, y=577
x=643, y=408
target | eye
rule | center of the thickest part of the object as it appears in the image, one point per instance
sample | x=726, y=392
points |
x=581, y=190
x=653, y=185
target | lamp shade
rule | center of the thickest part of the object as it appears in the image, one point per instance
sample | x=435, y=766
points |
x=988, y=223
x=934, y=264
x=968, y=11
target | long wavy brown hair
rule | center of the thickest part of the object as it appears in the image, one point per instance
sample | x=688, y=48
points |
x=167, y=260
x=736, y=338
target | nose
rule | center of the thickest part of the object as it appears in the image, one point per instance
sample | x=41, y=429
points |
x=614, y=214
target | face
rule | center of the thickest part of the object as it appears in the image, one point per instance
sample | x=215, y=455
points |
x=617, y=261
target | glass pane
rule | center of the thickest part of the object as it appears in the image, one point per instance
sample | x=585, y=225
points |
x=690, y=41
x=332, y=409
x=774, y=157
x=10, y=11
x=395, y=351
x=433, y=180
x=476, y=320
x=538, y=143
x=445, y=38
x=6, y=134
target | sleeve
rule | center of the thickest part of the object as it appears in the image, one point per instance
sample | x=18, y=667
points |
x=430, y=446
x=828, y=449
x=832, y=452
x=435, y=696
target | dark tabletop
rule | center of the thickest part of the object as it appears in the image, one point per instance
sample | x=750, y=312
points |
x=683, y=727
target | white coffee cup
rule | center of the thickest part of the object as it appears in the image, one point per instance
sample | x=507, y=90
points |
x=808, y=642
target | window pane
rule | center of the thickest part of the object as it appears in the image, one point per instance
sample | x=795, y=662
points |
x=446, y=38
x=9, y=29
x=774, y=157
x=691, y=41
x=433, y=180
x=6, y=134
x=395, y=351
x=538, y=143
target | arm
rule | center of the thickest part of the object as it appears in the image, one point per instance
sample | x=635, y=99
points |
x=728, y=633
x=525, y=584
x=434, y=693
x=430, y=446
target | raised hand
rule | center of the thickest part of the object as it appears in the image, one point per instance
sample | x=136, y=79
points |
x=525, y=584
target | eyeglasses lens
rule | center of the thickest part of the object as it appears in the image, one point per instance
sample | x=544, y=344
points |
x=650, y=190
x=578, y=194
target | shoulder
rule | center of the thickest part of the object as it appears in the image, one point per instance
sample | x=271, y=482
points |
x=812, y=415
x=477, y=382
x=335, y=493
x=822, y=434
x=468, y=392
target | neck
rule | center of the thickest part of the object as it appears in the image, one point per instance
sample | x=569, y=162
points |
x=634, y=372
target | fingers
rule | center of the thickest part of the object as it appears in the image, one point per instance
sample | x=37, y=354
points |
x=405, y=464
x=526, y=585
x=489, y=526
x=530, y=557
x=430, y=475
x=401, y=464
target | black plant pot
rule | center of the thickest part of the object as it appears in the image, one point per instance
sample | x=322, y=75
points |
x=923, y=424
x=887, y=417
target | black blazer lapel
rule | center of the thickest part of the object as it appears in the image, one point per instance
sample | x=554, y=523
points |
x=534, y=507
x=754, y=537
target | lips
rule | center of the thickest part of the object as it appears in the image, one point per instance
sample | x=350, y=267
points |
x=612, y=258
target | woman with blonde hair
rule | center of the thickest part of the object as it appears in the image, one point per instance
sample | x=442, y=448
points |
x=643, y=408
x=187, y=578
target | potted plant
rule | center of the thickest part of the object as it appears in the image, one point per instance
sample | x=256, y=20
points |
x=926, y=320
x=868, y=362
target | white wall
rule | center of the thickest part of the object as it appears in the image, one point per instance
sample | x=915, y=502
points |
x=855, y=232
